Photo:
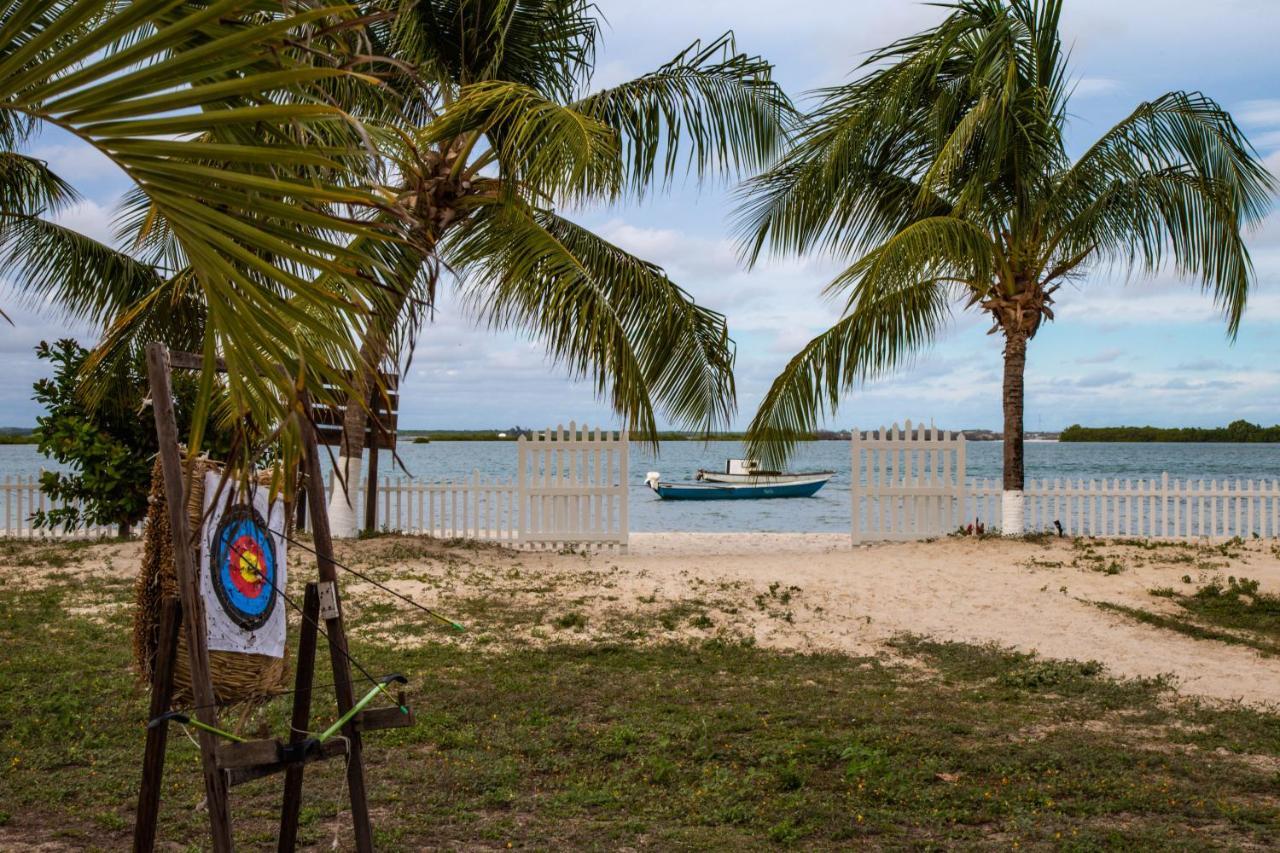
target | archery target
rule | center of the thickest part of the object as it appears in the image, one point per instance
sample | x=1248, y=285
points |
x=242, y=569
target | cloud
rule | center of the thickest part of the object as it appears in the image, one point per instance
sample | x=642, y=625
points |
x=1103, y=378
x=1087, y=87
x=1105, y=357
x=1202, y=364
x=91, y=219
x=76, y=162
x=1265, y=112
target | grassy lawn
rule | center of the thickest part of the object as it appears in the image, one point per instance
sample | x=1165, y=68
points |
x=597, y=745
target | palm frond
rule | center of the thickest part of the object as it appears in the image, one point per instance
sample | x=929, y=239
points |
x=87, y=280
x=884, y=328
x=28, y=187
x=160, y=90
x=600, y=312
x=545, y=150
x=1175, y=176
x=709, y=108
x=545, y=45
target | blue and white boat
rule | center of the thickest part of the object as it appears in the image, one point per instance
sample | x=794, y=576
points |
x=741, y=480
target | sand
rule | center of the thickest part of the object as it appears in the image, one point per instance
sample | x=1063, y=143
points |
x=808, y=593
x=815, y=593
x=984, y=591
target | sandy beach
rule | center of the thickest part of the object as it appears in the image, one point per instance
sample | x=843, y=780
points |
x=810, y=593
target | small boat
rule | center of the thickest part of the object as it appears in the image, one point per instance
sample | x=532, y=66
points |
x=800, y=488
x=749, y=472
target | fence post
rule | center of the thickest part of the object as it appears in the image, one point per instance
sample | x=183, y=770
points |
x=624, y=451
x=522, y=487
x=855, y=485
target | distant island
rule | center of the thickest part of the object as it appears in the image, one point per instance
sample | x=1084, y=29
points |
x=1234, y=432
x=17, y=435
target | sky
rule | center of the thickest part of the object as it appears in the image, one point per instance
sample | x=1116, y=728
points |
x=1151, y=350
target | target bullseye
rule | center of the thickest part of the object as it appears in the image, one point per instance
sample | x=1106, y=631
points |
x=244, y=567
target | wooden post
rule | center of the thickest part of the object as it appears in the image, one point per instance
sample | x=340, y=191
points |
x=371, y=486
x=306, y=665
x=337, y=641
x=144, y=828
x=188, y=586
x=300, y=521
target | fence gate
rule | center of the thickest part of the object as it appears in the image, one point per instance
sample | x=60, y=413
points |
x=572, y=488
x=907, y=485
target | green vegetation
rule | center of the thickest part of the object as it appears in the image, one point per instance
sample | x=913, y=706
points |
x=108, y=447
x=498, y=131
x=238, y=151
x=1237, y=613
x=1237, y=431
x=604, y=745
x=20, y=438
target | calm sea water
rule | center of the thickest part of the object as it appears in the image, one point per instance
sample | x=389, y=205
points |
x=828, y=511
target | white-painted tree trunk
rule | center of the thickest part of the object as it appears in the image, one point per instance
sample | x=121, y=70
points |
x=1012, y=512
x=344, y=515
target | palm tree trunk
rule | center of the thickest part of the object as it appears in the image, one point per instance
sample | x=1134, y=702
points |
x=437, y=196
x=1015, y=364
x=344, y=515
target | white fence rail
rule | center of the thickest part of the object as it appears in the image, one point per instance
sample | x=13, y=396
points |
x=474, y=508
x=910, y=484
x=1157, y=508
x=21, y=498
x=570, y=490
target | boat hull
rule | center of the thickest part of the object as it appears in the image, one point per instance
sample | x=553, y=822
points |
x=729, y=492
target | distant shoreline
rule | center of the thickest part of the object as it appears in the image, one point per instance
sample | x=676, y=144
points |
x=1236, y=432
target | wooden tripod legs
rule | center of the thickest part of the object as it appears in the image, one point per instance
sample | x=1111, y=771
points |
x=144, y=836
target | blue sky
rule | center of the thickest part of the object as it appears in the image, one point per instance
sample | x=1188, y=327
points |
x=1142, y=351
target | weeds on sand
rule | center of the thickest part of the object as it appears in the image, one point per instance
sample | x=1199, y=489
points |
x=709, y=745
x=1188, y=627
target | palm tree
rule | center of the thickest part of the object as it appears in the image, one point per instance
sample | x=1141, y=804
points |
x=494, y=125
x=942, y=175
x=215, y=112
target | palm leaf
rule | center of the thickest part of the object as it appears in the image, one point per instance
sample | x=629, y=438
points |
x=599, y=311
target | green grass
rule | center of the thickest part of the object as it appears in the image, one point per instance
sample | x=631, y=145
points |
x=1237, y=613
x=669, y=746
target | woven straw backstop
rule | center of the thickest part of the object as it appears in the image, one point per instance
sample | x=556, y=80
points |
x=237, y=677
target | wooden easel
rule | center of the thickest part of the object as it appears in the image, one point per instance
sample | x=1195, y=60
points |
x=227, y=764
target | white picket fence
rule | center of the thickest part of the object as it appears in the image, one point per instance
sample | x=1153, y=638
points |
x=1156, y=508
x=570, y=490
x=21, y=498
x=905, y=484
x=473, y=508
x=909, y=483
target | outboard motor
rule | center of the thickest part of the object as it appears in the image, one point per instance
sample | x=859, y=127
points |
x=651, y=480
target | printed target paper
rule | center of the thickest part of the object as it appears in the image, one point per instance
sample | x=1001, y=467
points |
x=242, y=570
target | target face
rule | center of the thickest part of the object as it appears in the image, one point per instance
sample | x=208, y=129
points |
x=244, y=566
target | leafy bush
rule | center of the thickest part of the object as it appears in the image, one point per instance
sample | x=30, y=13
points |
x=108, y=443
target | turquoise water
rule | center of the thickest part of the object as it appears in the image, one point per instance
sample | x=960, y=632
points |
x=828, y=511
